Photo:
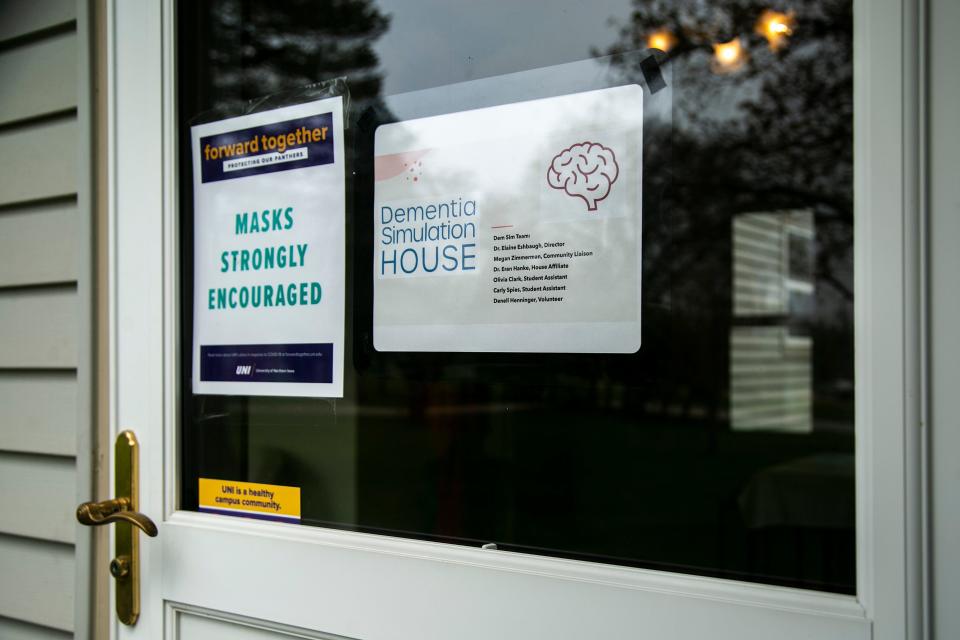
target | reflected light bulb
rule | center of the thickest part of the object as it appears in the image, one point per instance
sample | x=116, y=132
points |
x=728, y=56
x=662, y=40
x=776, y=27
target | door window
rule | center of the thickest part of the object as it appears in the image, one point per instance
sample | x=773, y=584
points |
x=724, y=445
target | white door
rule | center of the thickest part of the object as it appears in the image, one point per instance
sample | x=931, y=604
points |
x=211, y=576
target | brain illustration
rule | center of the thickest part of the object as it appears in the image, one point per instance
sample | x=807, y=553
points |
x=586, y=170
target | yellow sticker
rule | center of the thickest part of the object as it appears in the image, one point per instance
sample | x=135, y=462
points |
x=250, y=500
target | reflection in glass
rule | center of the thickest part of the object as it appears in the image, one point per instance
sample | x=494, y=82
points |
x=770, y=369
x=724, y=446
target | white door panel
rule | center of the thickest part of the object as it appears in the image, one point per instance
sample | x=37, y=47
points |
x=195, y=625
x=371, y=587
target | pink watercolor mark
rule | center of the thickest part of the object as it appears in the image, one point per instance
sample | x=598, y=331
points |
x=392, y=165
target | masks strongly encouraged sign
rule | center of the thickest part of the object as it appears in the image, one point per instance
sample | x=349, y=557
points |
x=269, y=253
x=513, y=228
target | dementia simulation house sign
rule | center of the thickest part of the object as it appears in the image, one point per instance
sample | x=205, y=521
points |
x=269, y=253
x=513, y=228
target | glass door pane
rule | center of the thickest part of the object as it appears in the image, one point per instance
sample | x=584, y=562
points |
x=724, y=445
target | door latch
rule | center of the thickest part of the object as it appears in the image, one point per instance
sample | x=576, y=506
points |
x=122, y=511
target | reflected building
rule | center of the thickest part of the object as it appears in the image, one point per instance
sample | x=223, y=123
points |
x=771, y=349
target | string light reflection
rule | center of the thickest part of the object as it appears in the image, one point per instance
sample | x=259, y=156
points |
x=728, y=56
x=662, y=40
x=776, y=27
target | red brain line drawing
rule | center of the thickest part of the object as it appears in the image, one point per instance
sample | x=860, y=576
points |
x=586, y=170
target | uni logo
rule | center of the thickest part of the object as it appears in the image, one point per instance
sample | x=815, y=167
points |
x=244, y=369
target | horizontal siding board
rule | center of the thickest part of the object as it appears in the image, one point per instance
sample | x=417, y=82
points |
x=796, y=370
x=38, y=497
x=16, y=630
x=773, y=358
x=761, y=383
x=769, y=335
x=38, y=245
x=50, y=63
x=771, y=410
x=39, y=235
x=748, y=272
x=22, y=17
x=757, y=343
x=39, y=328
x=792, y=423
x=38, y=412
x=757, y=234
x=755, y=262
x=745, y=282
x=39, y=161
x=767, y=220
x=770, y=385
x=760, y=249
x=757, y=397
x=42, y=590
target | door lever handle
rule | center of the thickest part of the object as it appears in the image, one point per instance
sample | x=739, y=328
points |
x=115, y=510
x=123, y=511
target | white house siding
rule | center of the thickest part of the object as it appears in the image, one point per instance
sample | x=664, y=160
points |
x=45, y=321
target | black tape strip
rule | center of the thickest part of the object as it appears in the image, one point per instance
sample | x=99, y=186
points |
x=651, y=74
x=367, y=119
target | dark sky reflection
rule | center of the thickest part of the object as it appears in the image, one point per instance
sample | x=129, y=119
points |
x=436, y=42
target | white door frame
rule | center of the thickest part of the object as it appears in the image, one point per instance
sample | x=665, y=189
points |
x=888, y=279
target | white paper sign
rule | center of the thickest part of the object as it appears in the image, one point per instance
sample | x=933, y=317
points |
x=269, y=253
x=513, y=228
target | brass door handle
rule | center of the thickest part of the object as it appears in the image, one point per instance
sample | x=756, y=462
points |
x=122, y=511
x=116, y=510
